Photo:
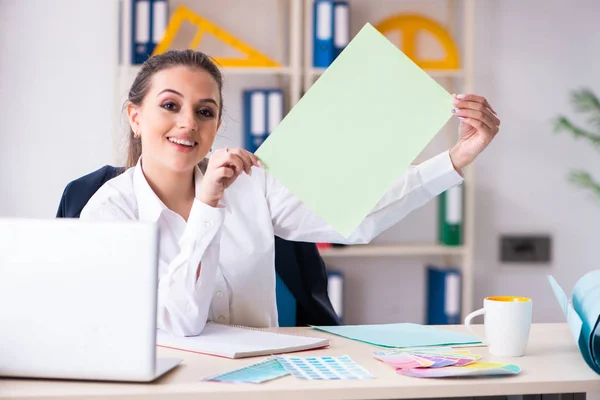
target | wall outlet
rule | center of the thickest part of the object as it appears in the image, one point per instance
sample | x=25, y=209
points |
x=525, y=248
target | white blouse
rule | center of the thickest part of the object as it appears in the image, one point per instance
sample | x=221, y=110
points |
x=235, y=241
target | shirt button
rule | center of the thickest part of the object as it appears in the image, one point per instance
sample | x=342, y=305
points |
x=221, y=319
x=219, y=294
x=209, y=224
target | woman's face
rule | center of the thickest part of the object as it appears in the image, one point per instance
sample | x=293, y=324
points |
x=178, y=119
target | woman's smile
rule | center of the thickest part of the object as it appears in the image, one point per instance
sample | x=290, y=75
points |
x=182, y=144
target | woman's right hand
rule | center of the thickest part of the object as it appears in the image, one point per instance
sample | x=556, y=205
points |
x=224, y=166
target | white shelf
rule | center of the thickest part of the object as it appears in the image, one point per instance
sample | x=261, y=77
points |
x=392, y=250
x=454, y=73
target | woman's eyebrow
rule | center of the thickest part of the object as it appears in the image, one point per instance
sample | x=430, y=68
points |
x=170, y=91
x=207, y=100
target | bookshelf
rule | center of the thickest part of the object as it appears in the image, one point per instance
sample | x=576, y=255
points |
x=296, y=75
x=393, y=250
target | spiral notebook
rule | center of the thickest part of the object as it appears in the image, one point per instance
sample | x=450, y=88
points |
x=239, y=342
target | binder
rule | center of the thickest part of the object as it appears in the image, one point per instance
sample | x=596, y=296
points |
x=443, y=296
x=149, y=20
x=335, y=289
x=341, y=27
x=263, y=111
x=286, y=303
x=450, y=216
x=323, y=46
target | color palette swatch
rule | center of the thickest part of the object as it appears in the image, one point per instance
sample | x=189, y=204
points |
x=265, y=370
x=426, y=357
x=313, y=368
x=442, y=362
x=475, y=369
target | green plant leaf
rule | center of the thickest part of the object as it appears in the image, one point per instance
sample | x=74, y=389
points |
x=584, y=180
x=584, y=100
x=563, y=124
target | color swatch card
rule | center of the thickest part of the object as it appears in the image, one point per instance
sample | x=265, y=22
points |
x=448, y=360
x=356, y=130
x=474, y=369
x=324, y=368
x=457, y=357
x=259, y=372
x=406, y=358
x=403, y=360
x=439, y=361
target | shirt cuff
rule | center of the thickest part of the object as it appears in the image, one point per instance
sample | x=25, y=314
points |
x=203, y=221
x=438, y=174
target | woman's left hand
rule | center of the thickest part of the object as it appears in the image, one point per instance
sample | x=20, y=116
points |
x=479, y=124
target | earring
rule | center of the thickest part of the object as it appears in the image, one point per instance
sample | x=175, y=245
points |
x=136, y=135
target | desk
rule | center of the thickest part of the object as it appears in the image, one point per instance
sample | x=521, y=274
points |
x=553, y=365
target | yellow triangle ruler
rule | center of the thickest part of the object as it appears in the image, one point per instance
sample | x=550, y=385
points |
x=182, y=14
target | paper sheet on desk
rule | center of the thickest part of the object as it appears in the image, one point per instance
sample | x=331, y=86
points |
x=356, y=131
x=400, y=335
x=583, y=315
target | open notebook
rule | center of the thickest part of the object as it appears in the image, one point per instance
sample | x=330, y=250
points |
x=239, y=342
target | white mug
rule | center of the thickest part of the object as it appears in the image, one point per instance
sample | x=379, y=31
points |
x=507, y=321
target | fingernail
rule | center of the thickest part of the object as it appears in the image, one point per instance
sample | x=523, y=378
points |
x=461, y=96
x=260, y=164
x=455, y=102
x=460, y=117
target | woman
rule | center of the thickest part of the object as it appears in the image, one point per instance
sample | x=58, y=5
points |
x=217, y=217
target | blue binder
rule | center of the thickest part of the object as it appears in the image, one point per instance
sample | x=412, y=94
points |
x=149, y=20
x=286, y=304
x=341, y=27
x=323, y=27
x=443, y=296
x=263, y=111
x=335, y=290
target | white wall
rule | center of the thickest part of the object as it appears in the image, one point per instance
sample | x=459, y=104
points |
x=57, y=113
x=530, y=56
x=56, y=104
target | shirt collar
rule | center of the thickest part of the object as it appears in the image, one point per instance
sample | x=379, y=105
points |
x=150, y=207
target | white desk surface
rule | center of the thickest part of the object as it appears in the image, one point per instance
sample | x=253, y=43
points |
x=553, y=364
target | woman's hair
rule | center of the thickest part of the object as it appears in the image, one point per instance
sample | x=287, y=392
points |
x=141, y=84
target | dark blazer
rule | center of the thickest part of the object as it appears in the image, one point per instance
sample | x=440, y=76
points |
x=298, y=264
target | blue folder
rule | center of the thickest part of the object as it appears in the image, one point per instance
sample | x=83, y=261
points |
x=149, y=20
x=323, y=29
x=341, y=26
x=583, y=315
x=263, y=111
x=443, y=296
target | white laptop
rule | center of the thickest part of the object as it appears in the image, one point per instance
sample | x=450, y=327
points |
x=78, y=300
